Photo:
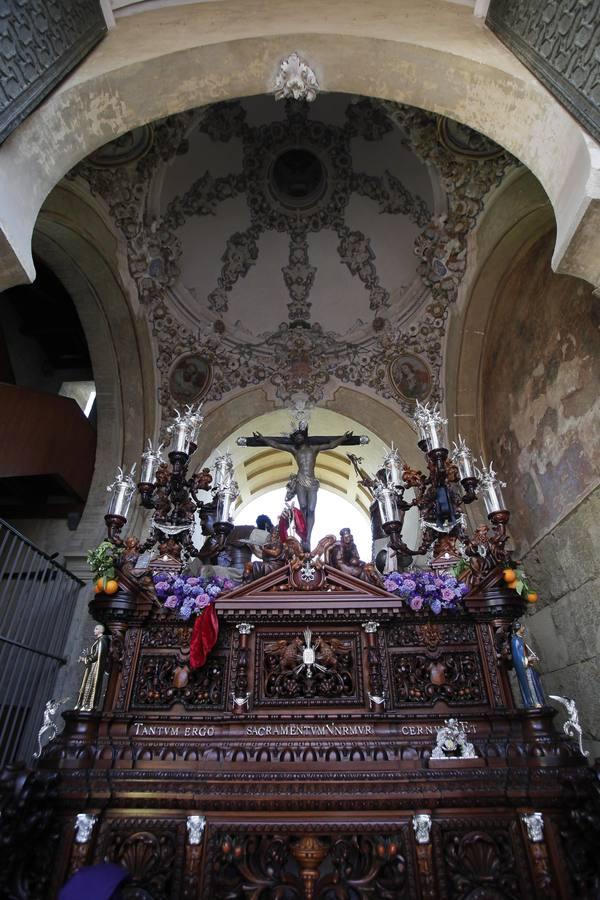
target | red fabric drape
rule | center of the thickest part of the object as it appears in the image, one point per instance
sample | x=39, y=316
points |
x=204, y=636
x=299, y=522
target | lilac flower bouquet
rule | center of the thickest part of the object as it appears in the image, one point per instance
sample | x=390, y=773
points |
x=426, y=590
x=188, y=595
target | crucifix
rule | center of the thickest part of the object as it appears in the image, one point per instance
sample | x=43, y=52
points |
x=304, y=449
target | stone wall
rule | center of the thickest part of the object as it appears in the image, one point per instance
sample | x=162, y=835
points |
x=541, y=416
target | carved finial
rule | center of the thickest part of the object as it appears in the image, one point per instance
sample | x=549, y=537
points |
x=296, y=80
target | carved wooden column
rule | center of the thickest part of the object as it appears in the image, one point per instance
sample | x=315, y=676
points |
x=120, y=614
x=82, y=845
x=193, y=856
x=422, y=828
x=309, y=852
x=538, y=856
x=241, y=695
x=376, y=696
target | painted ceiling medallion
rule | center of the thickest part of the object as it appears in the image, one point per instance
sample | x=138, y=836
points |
x=190, y=378
x=410, y=378
x=296, y=80
x=463, y=141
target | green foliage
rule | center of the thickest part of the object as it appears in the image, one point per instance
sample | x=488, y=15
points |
x=521, y=587
x=103, y=561
x=460, y=568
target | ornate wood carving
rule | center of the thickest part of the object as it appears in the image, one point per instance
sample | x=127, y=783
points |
x=162, y=680
x=481, y=858
x=334, y=676
x=308, y=866
x=423, y=679
x=152, y=850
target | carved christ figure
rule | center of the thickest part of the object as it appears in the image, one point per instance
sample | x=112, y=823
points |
x=304, y=449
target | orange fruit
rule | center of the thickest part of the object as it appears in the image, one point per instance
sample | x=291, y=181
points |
x=97, y=589
x=532, y=597
x=512, y=584
x=112, y=587
x=509, y=575
x=100, y=584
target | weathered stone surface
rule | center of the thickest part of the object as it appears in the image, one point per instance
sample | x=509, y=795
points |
x=540, y=398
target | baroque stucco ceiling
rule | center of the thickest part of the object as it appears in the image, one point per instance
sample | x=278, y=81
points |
x=297, y=247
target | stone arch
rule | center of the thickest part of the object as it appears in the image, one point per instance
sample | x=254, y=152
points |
x=213, y=56
x=73, y=240
x=516, y=214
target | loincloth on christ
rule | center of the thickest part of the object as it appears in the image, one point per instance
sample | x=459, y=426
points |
x=300, y=479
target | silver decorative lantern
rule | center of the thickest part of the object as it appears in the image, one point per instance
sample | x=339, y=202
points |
x=491, y=488
x=430, y=423
x=388, y=504
x=184, y=429
x=393, y=468
x=151, y=460
x=463, y=458
x=122, y=490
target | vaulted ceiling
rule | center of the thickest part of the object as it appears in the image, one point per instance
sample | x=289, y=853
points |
x=297, y=247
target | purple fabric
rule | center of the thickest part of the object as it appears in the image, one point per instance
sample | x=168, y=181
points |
x=94, y=882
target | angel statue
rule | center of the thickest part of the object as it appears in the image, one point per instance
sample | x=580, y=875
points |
x=95, y=660
x=48, y=729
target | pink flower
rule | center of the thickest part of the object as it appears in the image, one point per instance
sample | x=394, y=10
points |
x=171, y=602
x=447, y=595
x=416, y=603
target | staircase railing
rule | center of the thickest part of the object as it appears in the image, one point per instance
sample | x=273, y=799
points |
x=37, y=601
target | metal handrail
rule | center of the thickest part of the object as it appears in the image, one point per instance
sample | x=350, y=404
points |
x=50, y=558
x=37, y=600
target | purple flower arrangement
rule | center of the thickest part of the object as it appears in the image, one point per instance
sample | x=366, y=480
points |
x=426, y=590
x=188, y=595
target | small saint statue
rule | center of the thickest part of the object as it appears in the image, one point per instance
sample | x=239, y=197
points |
x=524, y=661
x=343, y=555
x=304, y=449
x=95, y=661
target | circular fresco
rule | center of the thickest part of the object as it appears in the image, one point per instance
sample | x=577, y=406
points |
x=410, y=377
x=190, y=378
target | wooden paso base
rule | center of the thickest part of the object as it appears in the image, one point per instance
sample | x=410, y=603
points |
x=306, y=787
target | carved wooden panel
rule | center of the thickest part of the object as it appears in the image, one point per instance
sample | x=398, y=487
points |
x=558, y=41
x=151, y=849
x=292, y=863
x=430, y=634
x=335, y=677
x=164, y=679
x=42, y=40
x=422, y=679
x=481, y=858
